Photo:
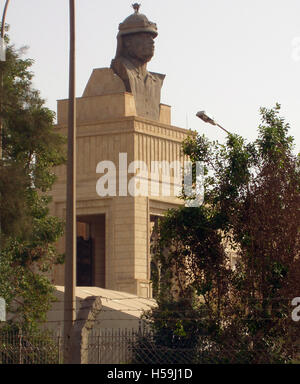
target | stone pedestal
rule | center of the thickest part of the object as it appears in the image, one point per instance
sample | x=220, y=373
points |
x=107, y=125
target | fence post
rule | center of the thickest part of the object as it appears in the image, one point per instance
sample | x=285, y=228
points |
x=20, y=347
x=58, y=342
x=98, y=338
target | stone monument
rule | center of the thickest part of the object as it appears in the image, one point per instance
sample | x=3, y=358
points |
x=120, y=119
x=134, y=50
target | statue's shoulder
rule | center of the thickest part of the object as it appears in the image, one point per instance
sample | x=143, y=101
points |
x=122, y=67
x=103, y=81
x=158, y=76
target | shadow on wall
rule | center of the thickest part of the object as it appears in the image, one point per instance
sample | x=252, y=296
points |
x=105, y=309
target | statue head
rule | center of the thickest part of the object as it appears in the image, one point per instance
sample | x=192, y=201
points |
x=136, y=37
x=138, y=46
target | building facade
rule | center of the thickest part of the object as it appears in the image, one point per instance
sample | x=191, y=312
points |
x=120, y=120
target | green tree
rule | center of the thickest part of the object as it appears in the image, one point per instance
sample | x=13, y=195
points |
x=250, y=211
x=31, y=149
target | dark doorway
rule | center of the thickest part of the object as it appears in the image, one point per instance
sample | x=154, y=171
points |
x=84, y=262
x=91, y=251
x=154, y=264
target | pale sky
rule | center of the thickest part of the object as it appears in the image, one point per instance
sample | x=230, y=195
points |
x=226, y=57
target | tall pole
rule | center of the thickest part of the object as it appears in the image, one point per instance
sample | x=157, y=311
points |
x=70, y=265
x=1, y=92
x=3, y=19
x=1, y=73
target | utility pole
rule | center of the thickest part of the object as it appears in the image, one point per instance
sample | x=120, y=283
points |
x=2, y=58
x=70, y=265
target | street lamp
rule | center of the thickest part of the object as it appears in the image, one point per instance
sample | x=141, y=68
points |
x=208, y=119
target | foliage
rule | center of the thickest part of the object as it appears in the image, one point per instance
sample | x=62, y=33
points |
x=31, y=148
x=234, y=262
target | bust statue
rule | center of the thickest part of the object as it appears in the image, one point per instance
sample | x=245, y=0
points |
x=135, y=49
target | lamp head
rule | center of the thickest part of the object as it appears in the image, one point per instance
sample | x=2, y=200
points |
x=206, y=118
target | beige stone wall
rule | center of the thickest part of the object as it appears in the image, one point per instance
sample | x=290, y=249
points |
x=106, y=126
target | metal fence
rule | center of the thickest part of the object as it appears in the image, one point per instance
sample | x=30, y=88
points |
x=111, y=346
x=143, y=346
x=120, y=346
x=123, y=346
x=17, y=347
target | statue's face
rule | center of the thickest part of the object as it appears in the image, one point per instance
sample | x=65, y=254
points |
x=139, y=46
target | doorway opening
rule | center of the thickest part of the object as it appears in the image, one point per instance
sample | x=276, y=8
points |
x=154, y=263
x=90, y=251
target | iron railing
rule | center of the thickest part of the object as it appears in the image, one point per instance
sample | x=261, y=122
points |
x=144, y=346
x=19, y=347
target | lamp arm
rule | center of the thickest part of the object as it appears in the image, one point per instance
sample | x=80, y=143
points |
x=225, y=130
